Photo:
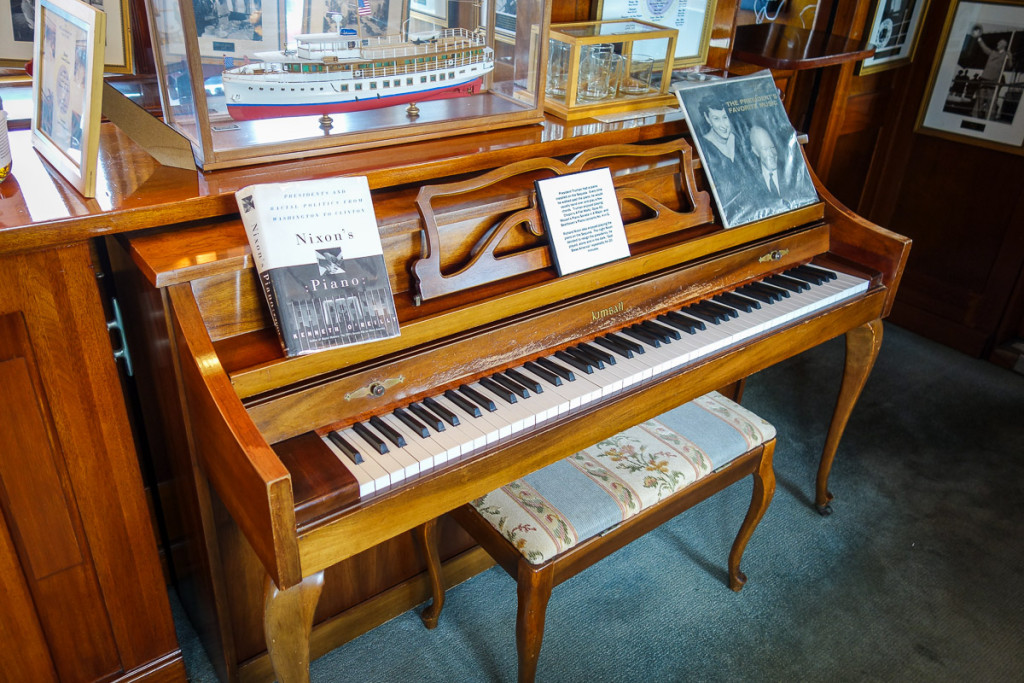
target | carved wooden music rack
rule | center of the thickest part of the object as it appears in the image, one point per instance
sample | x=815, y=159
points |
x=513, y=240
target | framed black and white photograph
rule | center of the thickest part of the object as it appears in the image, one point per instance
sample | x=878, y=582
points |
x=692, y=18
x=975, y=88
x=895, y=28
x=67, y=89
x=748, y=148
x=505, y=17
x=231, y=30
x=17, y=29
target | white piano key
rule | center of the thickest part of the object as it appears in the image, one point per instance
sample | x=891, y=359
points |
x=363, y=477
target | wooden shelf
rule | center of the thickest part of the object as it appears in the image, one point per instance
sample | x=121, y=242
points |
x=789, y=48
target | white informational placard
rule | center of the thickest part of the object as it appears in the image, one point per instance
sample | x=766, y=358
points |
x=582, y=217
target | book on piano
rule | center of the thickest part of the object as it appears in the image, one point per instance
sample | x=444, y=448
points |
x=748, y=148
x=317, y=250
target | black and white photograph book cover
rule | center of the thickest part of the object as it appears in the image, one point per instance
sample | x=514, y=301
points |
x=317, y=249
x=748, y=148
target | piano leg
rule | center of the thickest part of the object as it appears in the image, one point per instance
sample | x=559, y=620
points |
x=287, y=624
x=427, y=534
x=862, y=345
x=764, y=491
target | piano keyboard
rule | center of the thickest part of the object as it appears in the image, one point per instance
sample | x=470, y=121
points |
x=387, y=449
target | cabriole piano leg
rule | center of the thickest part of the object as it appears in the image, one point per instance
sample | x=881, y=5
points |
x=287, y=624
x=862, y=345
x=427, y=534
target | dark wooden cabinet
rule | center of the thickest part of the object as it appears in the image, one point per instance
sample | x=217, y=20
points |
x=84, y=595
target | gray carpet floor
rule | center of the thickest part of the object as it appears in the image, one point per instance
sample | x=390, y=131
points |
x=917, y=576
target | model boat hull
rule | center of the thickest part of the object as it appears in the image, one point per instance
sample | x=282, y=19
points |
x=251, y=112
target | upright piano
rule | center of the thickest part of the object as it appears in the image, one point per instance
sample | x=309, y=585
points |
x=273, y=502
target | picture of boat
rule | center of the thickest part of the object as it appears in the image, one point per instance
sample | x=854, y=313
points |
x=328, y=73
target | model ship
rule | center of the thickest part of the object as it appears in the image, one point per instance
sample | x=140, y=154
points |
x=340, y=72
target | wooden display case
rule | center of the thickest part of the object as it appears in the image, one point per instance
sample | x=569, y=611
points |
x=627, y=37
x=259, y=84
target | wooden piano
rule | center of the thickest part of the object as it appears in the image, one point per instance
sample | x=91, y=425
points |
x=272, y=506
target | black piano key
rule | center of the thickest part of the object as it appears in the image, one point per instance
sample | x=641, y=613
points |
x=628, y=343
x=389, y=432
x=560, y=370
x=476, y=397
x=569, y=359
x=664, y=330
x=411, y=422
x=442, y=412
x=727, y=311
x=809, y=278
x=369, y=437
x=516, y=388
x=432, y=421
x=736, y=301
x=345, y=447
x=758, y=295
x=584, y=357
x=823, y=272
x=771, y=289
x=463, y=402
x=641, y=336
x=531, y=384
x=697, y=312
x=498, y=390
x=546, y=375
x=793, y=285
x=683, y=322
x=615, y=347
x=714, y=309
x=600, y=354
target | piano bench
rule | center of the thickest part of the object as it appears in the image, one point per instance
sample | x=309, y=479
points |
x=554, y=523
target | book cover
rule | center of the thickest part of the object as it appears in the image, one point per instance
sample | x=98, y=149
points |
x=748, y=148
x=581, y=214
x=318, y=253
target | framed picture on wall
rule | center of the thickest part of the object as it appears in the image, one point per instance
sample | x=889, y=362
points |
x=17, y=28
x=894, y=30
x=328, y=16
x=976, y=82
x=435, y=8
x=692, y=18
x=67, y=82
x=233, y=31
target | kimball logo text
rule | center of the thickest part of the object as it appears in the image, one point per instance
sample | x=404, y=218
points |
x=605, y=312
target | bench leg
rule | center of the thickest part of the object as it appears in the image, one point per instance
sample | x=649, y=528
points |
x=764, y=489
x=427, y=534
x=534, y=591
x=862, y=345
x=287, y=623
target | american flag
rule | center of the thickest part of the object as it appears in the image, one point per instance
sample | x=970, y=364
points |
x=363, y=7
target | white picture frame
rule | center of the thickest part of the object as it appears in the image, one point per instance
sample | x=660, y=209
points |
x=67, y=82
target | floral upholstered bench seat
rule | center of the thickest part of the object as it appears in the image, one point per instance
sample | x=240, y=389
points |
x=551, y=524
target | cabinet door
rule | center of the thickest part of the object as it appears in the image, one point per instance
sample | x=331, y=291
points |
x=71, y=494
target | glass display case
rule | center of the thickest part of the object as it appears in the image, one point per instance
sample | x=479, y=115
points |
x=249, y=81
x=604, y=67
